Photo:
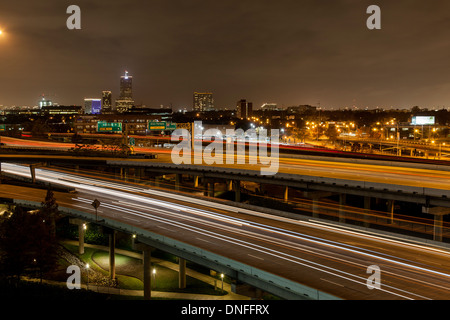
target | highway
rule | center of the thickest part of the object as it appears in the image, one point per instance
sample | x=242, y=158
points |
x=303, y=166
x=314, y=253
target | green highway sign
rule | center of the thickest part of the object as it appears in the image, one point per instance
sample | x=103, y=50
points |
x=161, y=126
x=103, y=126
x=171, y=126
x=156, y=125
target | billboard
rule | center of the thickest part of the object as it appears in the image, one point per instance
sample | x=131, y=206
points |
x=103, y=126
x=423, y=120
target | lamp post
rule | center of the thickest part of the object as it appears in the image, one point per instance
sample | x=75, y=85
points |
x=154, y=276
x=221, y=276
x=87, y=269
x=96, y=204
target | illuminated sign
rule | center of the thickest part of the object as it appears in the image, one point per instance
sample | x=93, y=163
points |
x=156, y=126
x=103, y=126
x=423, y=120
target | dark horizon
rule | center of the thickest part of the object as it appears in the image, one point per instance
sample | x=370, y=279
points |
x=289, y=52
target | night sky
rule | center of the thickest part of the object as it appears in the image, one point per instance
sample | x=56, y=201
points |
x=290, y=52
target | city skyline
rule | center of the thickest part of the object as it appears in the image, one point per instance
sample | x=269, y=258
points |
x=290, y=53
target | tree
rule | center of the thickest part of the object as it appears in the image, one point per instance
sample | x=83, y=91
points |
x=28, y=241
x=332, y=134
x=14, y=243
x=299, y=134
x=50, y=210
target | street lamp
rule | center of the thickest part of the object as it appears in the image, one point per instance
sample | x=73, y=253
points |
x=96, y=204
x=154, y=276
x=221, y=276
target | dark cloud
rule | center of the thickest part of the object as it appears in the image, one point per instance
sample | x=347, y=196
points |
x=289, y=52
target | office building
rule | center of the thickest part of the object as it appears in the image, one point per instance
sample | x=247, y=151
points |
x=92, y=106
x=106, y=102
x=45, y=102
x=244, y=109
x=203, y=101
x=269, y=107
x=125, y=101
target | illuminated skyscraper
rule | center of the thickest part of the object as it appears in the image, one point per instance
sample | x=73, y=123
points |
x=126, y=87
x=203, y=101
x=125, y=101
x=92, y=106
x=106, y=102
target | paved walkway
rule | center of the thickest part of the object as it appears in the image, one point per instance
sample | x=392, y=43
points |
x=160, y=294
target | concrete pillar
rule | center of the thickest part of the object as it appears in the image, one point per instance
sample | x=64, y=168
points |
x=237, y=190
x=315, y=207
x=286, y=194
x=81, y=232
x=438, y=213
x=196, y=178
x=112, y=258
x=367, y=201
x=315, y=196
x=205, y=187
x=33, y=172
x=178, y=178
x=182, y=273
x=342, y=203
x=391, y=205
x=437, y=230
x=211, y=190
x=229, y=185
x=147, y=273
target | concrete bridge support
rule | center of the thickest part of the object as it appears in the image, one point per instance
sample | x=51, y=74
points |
x=112, y=258
x=229, y=185
x=367, y=201
x=438, y=213
x=211, y=189
x=147, y=257
x=182, y=273
x=178, y=179
x=315, y=196
x=237, y=190
x=196, y=178
x=342, y=203
x=391, y=205
x=81, y=232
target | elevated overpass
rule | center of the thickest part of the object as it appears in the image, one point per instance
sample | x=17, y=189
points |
x=423, y=184
x=293, y=258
